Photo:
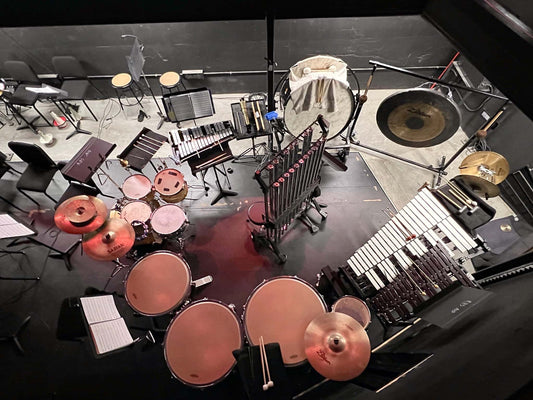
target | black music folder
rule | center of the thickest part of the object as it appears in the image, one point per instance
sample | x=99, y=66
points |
x=188, y=104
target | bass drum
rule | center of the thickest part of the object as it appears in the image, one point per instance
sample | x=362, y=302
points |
x=199, y=343
x=280, y=309
x=318, y=86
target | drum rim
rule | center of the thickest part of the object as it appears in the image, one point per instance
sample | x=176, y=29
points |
x=182, y=300
x=359, y=300
x=178, y=313
x=265, y=281
x=165, y=205
x=352, y=100
x=169, y=169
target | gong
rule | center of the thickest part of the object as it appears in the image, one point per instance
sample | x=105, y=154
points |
x=418, y=117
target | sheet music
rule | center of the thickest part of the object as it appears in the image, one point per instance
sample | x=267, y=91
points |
x=99, y=308
x=9, y=227
x=110, y=335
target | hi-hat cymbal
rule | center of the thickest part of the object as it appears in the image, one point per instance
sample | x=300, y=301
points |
x=479, y=185
x=113, y=240
x=418, y=117
x=337, y=346
x=80, y=214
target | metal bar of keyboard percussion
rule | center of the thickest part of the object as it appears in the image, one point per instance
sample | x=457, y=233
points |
x=380, y=240
x=422, y=203
x=427, y=233
x=371, y=276
x=379, y=257
x=370, y=269
x=450, y=220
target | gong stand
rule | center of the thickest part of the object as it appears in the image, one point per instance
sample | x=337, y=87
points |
x=443, y=165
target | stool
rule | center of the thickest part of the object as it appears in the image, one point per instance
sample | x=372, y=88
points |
x=169, y=81
x=122, y=82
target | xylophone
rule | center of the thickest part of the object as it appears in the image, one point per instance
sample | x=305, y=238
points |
x=289, y=181
x=191, y=142
x=413, y=258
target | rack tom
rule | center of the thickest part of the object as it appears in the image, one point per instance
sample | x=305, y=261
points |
x=170, y=184
x=138, y=187
x=158, y=283
x=280, y=309
x=199, y=343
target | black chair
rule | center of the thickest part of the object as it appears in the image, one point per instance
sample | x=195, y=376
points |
x=39, y=172
x=4, y=168
x=75, y=80
x=25, y=76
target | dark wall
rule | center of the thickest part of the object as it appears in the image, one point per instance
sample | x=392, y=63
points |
x=511, y=135
x=224, y=46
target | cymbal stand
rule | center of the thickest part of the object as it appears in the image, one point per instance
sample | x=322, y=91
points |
x=119, y=267
x=440, y=170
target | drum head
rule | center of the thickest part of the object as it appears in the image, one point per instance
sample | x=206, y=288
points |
x=136, y=211
x=168, y=219
x=169, y=181
x=355, y=308
x=158, y=283
x=280, y=310
x=199, y=343
x=336, y=104
x=136, y=186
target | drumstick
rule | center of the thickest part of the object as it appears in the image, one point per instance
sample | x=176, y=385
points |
x=270, y=382
x=260, y=115
x=265, y=385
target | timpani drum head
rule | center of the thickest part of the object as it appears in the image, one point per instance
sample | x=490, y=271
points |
x=280, y=309
x=169, y=182
x=355, y=308
x=168, y=219
x=137, y=210
x=136, y=187
x=199, y=343
x=158, y=283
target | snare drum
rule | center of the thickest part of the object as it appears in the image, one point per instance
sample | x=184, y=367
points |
x=280, y=309
x=138, y=187
x=199, y=343
x=158, y=283
x=355, y=308
x=170, y=184
x=168, y=219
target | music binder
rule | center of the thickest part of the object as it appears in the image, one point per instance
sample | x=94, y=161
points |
x=107, y=328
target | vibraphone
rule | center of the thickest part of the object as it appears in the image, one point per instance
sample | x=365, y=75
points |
x=290, y=184
x=410, y=260
x=191, y=142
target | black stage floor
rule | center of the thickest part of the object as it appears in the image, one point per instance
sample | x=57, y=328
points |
x=488, y=354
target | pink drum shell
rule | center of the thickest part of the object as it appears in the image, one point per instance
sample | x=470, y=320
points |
x=168, y=219
x=158, y=283
x=136, y=186
x=202, y=342
x=280, y=309
x=355, y=308
x=136, y=210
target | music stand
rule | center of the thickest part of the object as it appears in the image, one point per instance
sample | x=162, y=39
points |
x=135, y=63
x=10, y=228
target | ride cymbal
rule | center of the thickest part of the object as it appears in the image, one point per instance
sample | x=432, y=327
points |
x=112, y=240
x=418, y=117
x=337, y=346
x=80, y=214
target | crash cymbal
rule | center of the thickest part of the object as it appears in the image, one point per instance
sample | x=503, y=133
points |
x=479, y=185
x=80, y=214
x=112, y=240
x=337, y=346
x=488, y=165
x=418, y=117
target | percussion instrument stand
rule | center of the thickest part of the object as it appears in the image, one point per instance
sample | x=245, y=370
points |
x=119, y=267
x=222, y=192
